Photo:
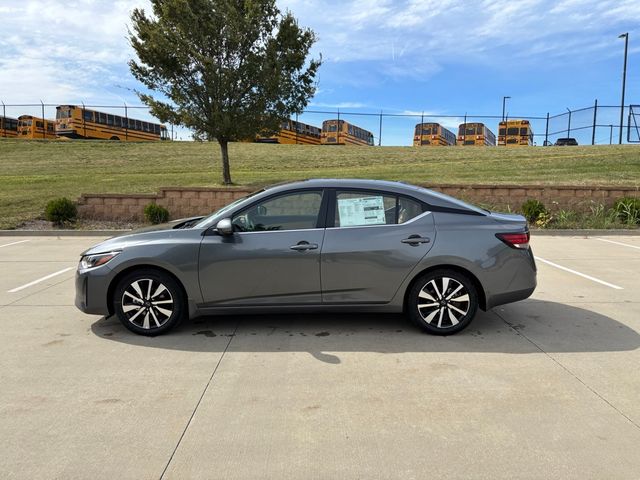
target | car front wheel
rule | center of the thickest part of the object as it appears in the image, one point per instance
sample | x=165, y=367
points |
x=442, y=302
x=149, y=302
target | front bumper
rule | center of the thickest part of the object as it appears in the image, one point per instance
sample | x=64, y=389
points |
x=92, y=288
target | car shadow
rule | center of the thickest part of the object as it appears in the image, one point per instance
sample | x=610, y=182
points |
x=526, y=327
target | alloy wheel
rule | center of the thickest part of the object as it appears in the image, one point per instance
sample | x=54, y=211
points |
x=443, y=302
x=147, y=303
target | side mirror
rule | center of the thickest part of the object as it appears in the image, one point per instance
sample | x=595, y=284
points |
x=225, y=227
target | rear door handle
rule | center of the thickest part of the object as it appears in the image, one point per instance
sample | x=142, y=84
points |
x=415, y=240
x=302, y=246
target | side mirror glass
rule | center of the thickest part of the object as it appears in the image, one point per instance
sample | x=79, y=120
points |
x=225, y=227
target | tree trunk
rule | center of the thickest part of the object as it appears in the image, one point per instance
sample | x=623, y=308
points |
x=226, y=173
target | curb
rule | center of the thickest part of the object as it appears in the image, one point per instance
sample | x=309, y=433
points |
x=61, y=233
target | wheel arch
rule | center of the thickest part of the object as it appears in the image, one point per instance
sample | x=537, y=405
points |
x=482, y=297
x=120, y=275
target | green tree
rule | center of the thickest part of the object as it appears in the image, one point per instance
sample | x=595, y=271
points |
x=226, y=69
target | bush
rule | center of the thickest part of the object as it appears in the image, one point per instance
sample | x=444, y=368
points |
x=628, y=210
x=60, y=211
x=156, y=214
x=533, y=209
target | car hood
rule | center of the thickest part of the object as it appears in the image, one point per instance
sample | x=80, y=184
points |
x=143, y=235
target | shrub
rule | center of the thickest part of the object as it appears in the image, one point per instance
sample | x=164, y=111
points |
x=60, y=211
x=532, y=209
x=156, y=214
x=628, y=210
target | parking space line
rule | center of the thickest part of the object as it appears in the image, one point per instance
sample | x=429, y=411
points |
x=46, y=277
x=583, y=275
x=14, y=243
x=618, y=243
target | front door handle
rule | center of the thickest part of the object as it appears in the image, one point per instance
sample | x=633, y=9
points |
x=415, y=240
x=303, y=245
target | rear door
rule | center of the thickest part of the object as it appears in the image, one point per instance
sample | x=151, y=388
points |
x=373, y=241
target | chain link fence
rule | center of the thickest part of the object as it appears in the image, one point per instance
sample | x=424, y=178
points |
x=593, y=125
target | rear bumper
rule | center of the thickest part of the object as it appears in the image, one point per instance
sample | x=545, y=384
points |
x=509, y=297
x=523, y=280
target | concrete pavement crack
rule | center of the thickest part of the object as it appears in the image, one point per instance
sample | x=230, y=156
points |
x=204, y=391
x=566, y=369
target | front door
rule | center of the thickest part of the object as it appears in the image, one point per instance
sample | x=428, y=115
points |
x=272, y=258
x=377, y=238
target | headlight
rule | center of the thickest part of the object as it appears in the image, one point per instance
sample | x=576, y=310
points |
x=93, y=261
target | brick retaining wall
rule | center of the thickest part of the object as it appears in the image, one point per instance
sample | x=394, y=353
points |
x=190, y=201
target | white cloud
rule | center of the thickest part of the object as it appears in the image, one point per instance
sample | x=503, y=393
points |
x=65, y=51
x=412, y=38
x=72, y=50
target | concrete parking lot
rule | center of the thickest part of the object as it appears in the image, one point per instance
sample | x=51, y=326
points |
x=545, y=388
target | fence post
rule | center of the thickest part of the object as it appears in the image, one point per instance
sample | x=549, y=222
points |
x=4, y=120
x=296, y=128
x=595, y=116
x=569, y=124
x=380, y=130
x=338, y=129
x=44, y=130
x=546, y=132
x=84, y=122
x=611, y=134
x=421, y=123
x=126, y=122
x=464, y=129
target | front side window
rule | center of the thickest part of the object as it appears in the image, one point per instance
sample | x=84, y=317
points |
x=293, y=211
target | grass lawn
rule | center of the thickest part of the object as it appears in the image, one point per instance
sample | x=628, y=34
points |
x=33, y=172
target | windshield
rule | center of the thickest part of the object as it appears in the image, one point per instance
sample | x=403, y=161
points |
x=208, y=220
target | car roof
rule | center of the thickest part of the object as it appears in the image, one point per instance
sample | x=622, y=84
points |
x=426, y=195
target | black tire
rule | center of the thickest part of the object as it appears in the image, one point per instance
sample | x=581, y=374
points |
x=149, y=318
x=114, y=138
x=452, y=309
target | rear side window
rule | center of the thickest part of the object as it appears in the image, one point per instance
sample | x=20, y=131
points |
x=408, y=209
x=357, y=209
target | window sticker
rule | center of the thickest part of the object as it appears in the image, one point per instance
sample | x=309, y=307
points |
x=361, y=211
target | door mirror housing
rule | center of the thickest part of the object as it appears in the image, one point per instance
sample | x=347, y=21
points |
x=225, y=227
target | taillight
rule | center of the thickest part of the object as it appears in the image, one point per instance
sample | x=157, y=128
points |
x=515, y=240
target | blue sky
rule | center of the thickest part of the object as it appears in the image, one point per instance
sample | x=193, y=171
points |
x=443, y=58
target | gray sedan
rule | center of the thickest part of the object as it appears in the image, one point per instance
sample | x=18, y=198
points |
x=315, y=245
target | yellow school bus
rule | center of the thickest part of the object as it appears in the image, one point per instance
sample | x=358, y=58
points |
x=475, y=134
x=339, y=132
x=30, y=128
x=294, y=133
x=8, y=127
x=515, y=133
x=433, y=135
x=73, y=121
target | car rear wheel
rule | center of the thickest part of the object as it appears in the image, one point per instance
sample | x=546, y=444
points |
x=443, y=302
x=149, y=302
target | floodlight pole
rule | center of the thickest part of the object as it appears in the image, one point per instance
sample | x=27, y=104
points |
x=624, y=81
